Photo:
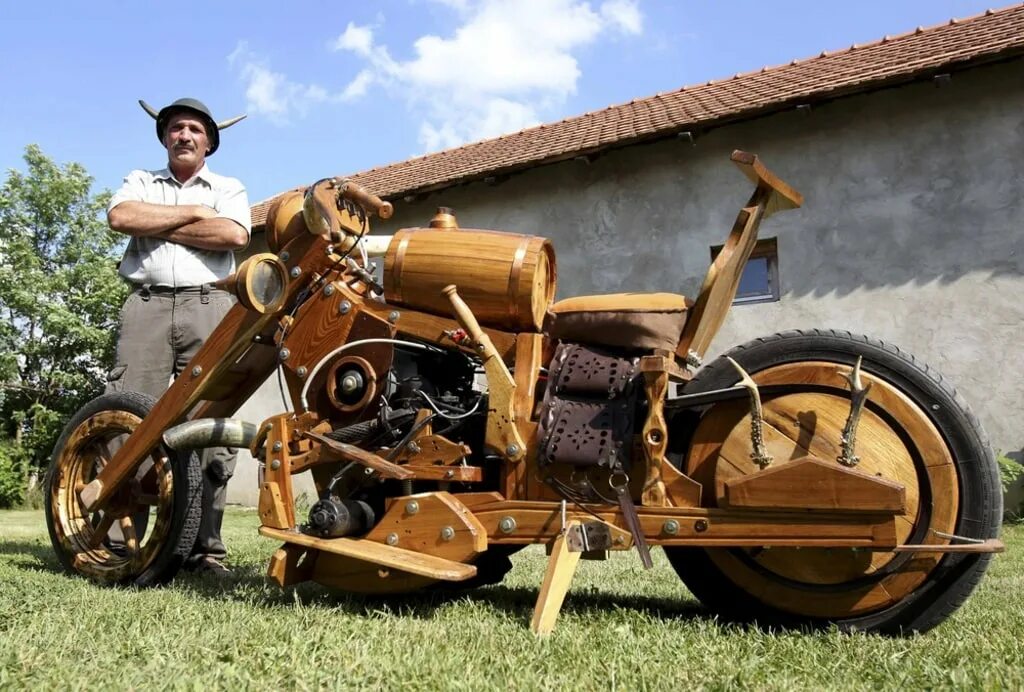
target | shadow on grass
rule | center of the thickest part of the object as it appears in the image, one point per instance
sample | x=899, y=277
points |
x=30, y=555
x=247, y=584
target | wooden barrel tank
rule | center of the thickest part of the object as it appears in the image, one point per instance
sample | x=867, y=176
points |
x=507, y=279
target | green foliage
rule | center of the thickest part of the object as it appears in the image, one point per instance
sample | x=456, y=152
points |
x=1011, y=474
x=13, y=475
x=60, y=296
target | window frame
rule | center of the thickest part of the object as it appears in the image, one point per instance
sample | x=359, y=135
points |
x=767, y=248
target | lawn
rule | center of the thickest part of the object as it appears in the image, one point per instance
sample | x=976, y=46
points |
x=621, y=628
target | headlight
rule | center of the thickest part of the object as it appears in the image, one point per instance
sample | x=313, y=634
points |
x=261, y=282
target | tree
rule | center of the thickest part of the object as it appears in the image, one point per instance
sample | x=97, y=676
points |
x=60, y=296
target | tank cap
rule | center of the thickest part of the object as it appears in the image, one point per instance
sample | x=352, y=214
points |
x=444, y=218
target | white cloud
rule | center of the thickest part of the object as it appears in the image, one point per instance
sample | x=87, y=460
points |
x=624, y=14
x=271, y=93
x=506, y=66
x=503, y=69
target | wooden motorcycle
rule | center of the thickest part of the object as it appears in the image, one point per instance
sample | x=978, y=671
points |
x=451, y=413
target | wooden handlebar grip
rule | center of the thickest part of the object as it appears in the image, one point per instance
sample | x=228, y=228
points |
x=367, y=200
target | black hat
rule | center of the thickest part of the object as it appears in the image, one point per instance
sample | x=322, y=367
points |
x=195, y=106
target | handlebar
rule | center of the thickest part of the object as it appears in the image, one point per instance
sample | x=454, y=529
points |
x=367, y=200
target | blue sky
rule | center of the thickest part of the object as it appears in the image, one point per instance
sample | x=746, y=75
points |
x=339, y=87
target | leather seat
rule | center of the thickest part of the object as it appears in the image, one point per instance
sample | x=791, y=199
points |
x=637, y=321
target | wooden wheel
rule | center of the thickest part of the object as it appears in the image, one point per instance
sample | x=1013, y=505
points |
x=914, y=430
x=149, y=526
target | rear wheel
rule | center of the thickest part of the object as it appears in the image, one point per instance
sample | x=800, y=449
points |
x=146, y=531
x=914, y=430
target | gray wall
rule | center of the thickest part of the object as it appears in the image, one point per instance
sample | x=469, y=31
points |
x=910, y=231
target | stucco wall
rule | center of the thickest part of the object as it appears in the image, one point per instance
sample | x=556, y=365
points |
x=911, y=229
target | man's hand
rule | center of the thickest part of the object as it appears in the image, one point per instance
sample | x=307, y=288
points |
x=143, y=219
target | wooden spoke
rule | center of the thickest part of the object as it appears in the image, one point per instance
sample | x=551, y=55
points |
x=131, y=540
x=100, y=530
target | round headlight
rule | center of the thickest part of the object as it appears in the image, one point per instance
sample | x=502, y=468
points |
x=261, y=283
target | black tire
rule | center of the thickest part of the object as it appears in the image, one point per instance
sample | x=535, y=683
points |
x=170, y=488
x=949, y=579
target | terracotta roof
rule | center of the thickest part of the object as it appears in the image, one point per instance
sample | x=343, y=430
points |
x=993, y=35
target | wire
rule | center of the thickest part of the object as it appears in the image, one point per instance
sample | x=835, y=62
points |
x=345, y=347
x=449, y=416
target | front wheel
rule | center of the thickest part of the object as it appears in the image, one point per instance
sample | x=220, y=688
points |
x=914, y=430
x=149, y=526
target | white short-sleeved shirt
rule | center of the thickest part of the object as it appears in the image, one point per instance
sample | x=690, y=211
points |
x=159, y=262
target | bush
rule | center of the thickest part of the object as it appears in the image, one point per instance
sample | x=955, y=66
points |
x=13, y=475
x=1011, y=474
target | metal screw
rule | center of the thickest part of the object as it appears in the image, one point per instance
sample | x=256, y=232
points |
x=447, y=533
x=329, y=290
x=301, y=371
x=619, y=540
x=411, y=507
x=700, y=526
x=449, y=474
x=285, y=256
x=295, y=272
x=512, y=450
x=507, y=524
x=277, y=446
x=393, y=316
x=368, y=471
x=413, y=448
x=671, y=527
x=283, y=354
x=197, y=371
x=275, y=464
x=344, y=307
x=392, y=539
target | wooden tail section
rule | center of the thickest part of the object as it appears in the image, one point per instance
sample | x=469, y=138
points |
x=723, y=278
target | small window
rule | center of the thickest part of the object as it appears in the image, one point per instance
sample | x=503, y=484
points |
x=760, y=280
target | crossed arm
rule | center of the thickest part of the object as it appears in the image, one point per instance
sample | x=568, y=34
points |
x=188, y=224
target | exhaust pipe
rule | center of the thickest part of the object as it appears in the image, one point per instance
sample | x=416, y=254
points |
x=210, y=432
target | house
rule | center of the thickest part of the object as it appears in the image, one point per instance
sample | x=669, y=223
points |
x=908, y=151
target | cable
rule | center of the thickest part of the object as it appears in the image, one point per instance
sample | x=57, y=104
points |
x=449, y=416
x=345, y=347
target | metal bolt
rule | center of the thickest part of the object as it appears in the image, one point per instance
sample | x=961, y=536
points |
x=507, y=524
x=411, y=507
x=344, y=307
x=670, y=527
x=277, y=446
x=268, y=427
x=700, y=526
x=447, y=533
x=368, y=471
x=285, y=256
x=283, y=354
x=449, y=474
x=512, y=450
x=393, y=316
x=392, y=539
x=301, y=371
x=275, y=464
x=295, y=272
x=619, y=540
x=197, y=371
x=329, y=290
x=413, y=448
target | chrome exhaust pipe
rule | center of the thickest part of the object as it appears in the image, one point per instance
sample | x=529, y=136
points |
x=210, y=432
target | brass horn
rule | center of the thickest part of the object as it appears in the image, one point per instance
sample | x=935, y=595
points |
x=148, y=108
x=222, y=125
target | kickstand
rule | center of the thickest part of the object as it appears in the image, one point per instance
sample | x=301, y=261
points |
x=557, y=578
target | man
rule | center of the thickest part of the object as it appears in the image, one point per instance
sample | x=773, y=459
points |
x=185, y=223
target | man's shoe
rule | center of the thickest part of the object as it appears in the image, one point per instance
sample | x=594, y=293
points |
x=208, y=565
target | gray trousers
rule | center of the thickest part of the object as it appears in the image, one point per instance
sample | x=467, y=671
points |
x=160, y=332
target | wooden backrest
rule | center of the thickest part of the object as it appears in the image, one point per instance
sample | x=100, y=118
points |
x=723, y=277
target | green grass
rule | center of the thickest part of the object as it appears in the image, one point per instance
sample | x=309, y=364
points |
x=621, y=628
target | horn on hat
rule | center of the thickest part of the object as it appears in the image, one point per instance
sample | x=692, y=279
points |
x=225, y=124
x=148, y=108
